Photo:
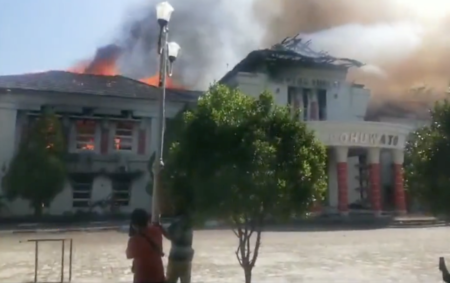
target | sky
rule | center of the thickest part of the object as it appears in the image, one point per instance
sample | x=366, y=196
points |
x=41, y=35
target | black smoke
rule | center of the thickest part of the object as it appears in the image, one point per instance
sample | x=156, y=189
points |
x=213, y=35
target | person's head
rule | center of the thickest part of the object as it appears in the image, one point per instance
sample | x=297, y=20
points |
x=139, y=218
x=184, y=216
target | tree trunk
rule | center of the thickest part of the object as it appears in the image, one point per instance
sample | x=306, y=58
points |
x=248, y=274
x=247, y=252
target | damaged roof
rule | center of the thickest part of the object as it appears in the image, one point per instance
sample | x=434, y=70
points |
x=67, y=82
x=290, y=51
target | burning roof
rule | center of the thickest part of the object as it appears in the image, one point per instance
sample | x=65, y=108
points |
x=76, y=83
x=291, y=51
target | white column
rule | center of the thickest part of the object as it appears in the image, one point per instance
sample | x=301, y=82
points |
x=398, y=156
x=374, y=155
x=375, y=180
x=399, y=190
x=341, y=153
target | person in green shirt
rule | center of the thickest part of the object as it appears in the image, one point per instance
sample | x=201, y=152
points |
x=180, y=233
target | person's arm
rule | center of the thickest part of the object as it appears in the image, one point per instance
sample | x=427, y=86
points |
x=164, y=232
x=131, y=248
x=131, y=231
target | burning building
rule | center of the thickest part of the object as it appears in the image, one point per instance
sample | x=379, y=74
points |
x=110, y=122
x=365, y=143
x=110, y=126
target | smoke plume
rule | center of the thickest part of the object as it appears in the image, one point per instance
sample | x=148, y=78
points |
x=405, y=43
x=406, y=46
x=213, y=35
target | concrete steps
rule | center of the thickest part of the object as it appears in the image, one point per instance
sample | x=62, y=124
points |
x=418, y=221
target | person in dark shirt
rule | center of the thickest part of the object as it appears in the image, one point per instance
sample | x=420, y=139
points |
x=180, y=234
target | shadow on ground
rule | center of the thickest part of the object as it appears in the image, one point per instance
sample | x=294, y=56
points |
x=314, y=224
x=352, y=222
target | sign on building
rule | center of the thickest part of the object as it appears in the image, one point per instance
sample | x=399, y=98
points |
x=365, y=139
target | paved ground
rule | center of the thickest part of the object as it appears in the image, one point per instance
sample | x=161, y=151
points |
x=387, y=255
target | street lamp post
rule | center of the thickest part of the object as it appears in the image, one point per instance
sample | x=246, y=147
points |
x=168, y=52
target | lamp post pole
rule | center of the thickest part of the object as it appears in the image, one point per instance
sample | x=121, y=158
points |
x=167, y=55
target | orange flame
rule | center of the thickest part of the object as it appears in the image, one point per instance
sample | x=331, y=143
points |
x=108, y=68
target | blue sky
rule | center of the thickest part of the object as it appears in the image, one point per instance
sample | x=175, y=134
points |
x=40, y=35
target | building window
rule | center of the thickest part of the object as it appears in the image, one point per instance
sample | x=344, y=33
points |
x=81, y=191
x=121, y=189
x=123, y=138
x=294, y=99
x=85, y=134
x=322, y=101
x=306, y=94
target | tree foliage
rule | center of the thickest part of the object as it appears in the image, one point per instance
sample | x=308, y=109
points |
x=37, y=172
x=427, y=161
x=242, y=160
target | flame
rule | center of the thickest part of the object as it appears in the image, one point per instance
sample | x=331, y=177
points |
x=108, y=68
x=88, y=146
x=104, y=68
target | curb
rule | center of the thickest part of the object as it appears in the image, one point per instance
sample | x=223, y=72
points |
x=418, y=224
x=62, y=230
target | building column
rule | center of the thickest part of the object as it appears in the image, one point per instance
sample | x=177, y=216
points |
x=314, y=107
x=375, y=180
x=66, y=127
x=299, y=104
x=142, y=137
x=399, y=190
x=104, y=137
x=342, y=179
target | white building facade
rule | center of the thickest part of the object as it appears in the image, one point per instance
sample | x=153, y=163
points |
x=110, y=135
x=365, y=158
x=110, y=125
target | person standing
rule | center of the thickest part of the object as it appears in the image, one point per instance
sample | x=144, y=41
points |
x=180, y=233
x=145, y=248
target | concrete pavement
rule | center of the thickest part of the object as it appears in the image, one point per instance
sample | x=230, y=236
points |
x=381, y=255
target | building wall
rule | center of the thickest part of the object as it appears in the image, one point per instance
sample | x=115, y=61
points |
x=11, y=121
x=101, y=189
x=346, y=102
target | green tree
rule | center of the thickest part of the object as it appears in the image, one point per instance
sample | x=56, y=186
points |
x=37, y=172
x=427, y=158
x=244, y=160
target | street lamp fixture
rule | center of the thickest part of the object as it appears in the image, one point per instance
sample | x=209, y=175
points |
x=168, y=53
x=163, y=13
x=173, y=50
